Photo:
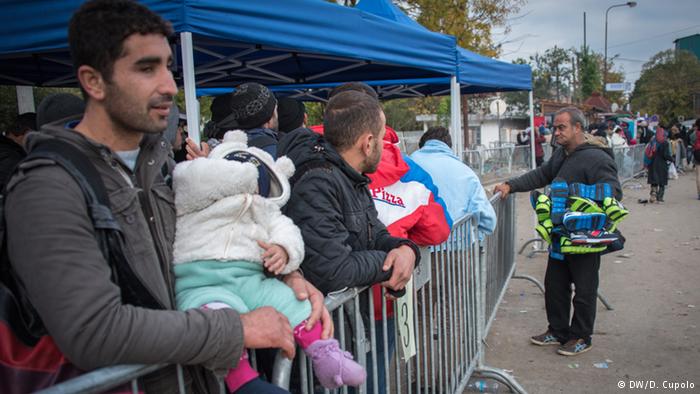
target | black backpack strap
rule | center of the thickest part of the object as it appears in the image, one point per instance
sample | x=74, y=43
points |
x=85, y=174
x=107, y=230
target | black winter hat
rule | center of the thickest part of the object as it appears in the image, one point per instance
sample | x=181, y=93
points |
x=252, y=105
x=290, y=113
x=220, y=107
x=58, y=106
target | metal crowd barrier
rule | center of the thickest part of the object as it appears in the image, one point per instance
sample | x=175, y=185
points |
x=455, y=294
x=501, y=162
x=629, y=161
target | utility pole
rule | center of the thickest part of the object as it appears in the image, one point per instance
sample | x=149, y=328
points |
x=585, y=48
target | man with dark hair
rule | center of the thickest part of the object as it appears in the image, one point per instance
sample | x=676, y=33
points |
x=580, y=158
x=12, y=145
x=122, y=60
x=345, y=244
x=420, y=217
x=459, y=186
x=437, y=133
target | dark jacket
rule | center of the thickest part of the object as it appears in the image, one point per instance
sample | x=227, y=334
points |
x=68, y=280
x=589, y=163
x=11, y=153
x=265, y=139
x=345, y=243
x=657, y=173
x=644, y=135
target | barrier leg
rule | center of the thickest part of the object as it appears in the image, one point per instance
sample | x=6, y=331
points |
x=282, y=371
x=605, y=302
x=536, y=249
x=501, y=376
x=531, y=279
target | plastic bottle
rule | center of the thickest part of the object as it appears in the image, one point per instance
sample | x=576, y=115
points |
x=483, y=386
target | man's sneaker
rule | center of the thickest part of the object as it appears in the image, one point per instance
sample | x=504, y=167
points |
x=574, y=347
x=576, y=221
x=545, y=339
x=541, y=204
x=592, y=237
x=559, y=191
x=581, y=204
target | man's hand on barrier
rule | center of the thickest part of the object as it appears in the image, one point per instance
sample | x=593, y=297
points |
x=403, y=261
x=504, y=188
x=306, y=291
x=266, y=328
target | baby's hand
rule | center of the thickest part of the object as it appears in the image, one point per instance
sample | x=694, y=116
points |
x=274, y=258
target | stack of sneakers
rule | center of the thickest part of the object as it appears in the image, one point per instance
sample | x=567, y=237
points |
x=585, y=227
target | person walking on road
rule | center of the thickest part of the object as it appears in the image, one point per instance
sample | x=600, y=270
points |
x=580, y=158
x=658, y=151
x=694, y=139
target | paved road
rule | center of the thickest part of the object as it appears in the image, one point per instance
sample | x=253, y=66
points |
x=652, y=334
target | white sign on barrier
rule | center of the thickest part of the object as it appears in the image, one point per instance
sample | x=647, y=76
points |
x=421, y=275
x=405, y=321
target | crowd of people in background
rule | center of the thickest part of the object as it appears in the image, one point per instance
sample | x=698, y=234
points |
x=339, y=201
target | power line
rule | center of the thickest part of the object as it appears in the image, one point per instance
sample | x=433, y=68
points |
x=650, y=37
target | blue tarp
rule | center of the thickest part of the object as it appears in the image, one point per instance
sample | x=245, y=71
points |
x=477, y=73
x=269, y=41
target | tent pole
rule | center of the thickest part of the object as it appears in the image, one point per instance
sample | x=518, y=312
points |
x=456, y=118
x=532, y=132
x=191, y=103
x=25, y=99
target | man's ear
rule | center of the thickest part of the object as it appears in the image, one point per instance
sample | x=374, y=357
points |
x=366, y=143
x=92, y=82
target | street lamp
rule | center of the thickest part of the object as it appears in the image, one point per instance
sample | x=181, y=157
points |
x=605, y=62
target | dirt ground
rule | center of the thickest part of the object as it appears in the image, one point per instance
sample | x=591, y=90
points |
x=652, y=334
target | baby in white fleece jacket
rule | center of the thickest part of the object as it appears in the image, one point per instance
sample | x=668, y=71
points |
x=230, y=231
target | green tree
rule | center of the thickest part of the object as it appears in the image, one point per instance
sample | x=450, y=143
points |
x=666, y=85
x=470, y=21
x=588, y=75
x=550, y=73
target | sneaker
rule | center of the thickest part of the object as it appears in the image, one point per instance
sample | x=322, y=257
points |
x=545, y=339
x=592, y=237
x=559, y=191
x=581, y=204
x=576, y=221
x=574, y=347
x=333, y=366
x=541, y=204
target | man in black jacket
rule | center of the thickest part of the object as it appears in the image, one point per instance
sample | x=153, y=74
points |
x=345, y=243
x=12, y=145
x=584, y=159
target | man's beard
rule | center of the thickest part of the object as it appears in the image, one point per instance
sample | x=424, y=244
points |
x=127, y=115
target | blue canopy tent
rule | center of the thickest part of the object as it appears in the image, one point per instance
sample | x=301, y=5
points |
x=475, y=73
x=224, y=43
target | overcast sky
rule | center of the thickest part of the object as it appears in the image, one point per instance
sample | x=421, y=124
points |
x=634, y=34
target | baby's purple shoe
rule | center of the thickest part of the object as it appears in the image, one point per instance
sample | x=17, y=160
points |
x=334, y=367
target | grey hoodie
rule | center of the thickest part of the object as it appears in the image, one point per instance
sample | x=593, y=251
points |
x=590, y=163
